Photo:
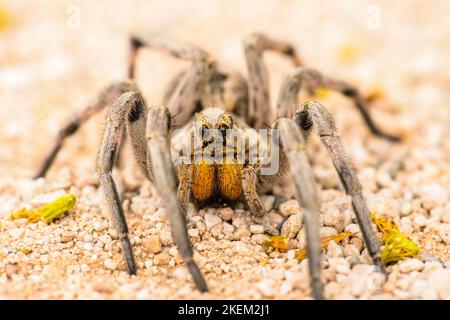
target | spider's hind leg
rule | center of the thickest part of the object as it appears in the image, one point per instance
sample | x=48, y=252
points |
x=313, y=79
x=255, y=44
x=188, y=86
x=106, y=97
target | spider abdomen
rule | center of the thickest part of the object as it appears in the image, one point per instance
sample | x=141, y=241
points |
x=224, y=180
x=229, y=177
x=203, y=176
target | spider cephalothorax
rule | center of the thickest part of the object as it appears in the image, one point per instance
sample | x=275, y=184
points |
x=219, y=152
x=216, y=170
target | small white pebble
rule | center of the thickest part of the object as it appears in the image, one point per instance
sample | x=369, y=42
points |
x=406, y=209
x=420, y=221
x=166, y=237
x=226, y=214
x=259, y=238
x=113, y=233
x=152, y=243
x=268, y=202
x=444, y=232
x=341, y=265
x=17, y=233
x=405, y=225
x=110, y=264
x=429, y=294
x=211, y=220
x=291, y=254
x=351, y=250
x=417, y=288
x=327, y=232
x=161, y=259
x=173, y=251
x=286, y=287
x=216, y=231
x=266, y=287
x=105, y=238
x=242, y=232
x=432, y=265
x=334, y=250
x=99, y=225
x=66, y=237
x=256, y=229
x=289, y=207
x=239, y=220
x=148, y=264
x=334, y=218
x=353, y=228
x=383, y=179
x=301, y=238
x=410, y=265
x=445, y=216
x=433, y=195
x=292, y=226
x=227, y=228
x=384, y=204
x=193, y=233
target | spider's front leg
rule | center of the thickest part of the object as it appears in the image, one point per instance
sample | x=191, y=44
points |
x=128, y=108
x=149, y=139
x=250, y=176
x=158, y=125
x=292, y=155
x=313, y=114
x=185, y=185
x=249, y=181
x=293, y=145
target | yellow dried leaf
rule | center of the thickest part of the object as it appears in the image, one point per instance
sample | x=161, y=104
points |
x=32, y=215
x=4, y=18
x=321, y=93
x=376, y=94
x=48, y=212
x=397, y=245
x=348, y=53
x=25, y=250
x=324, y=242
x=278, y=243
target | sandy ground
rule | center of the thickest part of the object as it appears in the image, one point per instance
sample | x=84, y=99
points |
x=51, y=66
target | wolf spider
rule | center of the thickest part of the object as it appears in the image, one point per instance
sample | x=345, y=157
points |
x=243, y=104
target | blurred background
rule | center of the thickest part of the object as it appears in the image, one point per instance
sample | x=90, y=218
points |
x=56, y=55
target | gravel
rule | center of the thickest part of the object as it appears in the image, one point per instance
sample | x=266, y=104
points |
x=292, y=226
x=78, y=256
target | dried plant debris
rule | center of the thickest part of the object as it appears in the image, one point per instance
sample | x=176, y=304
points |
x=397, y=246
x=47, y=213
x=348, y=53
x=321, y=93
x=302, y=253
x=279, y=243
x=4, y=17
